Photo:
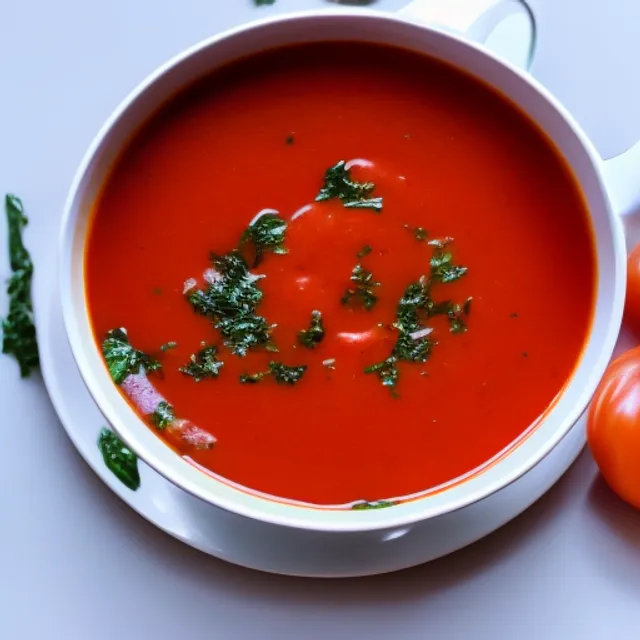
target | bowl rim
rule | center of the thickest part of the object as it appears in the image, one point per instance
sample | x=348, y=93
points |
x=292, y=515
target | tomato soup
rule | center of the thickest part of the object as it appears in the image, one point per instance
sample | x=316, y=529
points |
x=348, y=274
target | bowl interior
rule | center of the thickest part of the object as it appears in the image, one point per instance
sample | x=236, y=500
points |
x=358, y=27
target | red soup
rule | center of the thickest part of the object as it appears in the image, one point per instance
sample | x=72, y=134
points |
x=347, y=274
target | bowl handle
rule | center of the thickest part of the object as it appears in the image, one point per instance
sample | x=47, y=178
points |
x=622, y=180
x=506, y=27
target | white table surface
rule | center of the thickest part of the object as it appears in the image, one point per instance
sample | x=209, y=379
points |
x=76, y=563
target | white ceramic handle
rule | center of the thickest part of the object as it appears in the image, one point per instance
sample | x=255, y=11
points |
x=506, y=27
x=622, y=179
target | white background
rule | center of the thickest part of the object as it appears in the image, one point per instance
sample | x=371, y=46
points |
x=76, y=563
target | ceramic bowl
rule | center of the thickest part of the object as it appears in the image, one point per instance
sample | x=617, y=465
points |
x=285, y=538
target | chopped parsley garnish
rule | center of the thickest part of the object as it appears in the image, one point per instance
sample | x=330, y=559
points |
x=365, y=251
x=387, y=372
x=413, y=343
x=412, y=349
x=314, y=335
x=163, y=415
x=262, y=3
x=119, y=459
x=168, y=345
x=362, y=292
x=379, y=504
x=122, y=359
x=230, y=302
x=282, y=374
x=353, y=194
x=267, y=235
x=18, y=329
x=290, y=139
x=443, y=269
x=203, y=364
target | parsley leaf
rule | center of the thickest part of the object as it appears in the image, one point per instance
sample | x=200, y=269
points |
x=443, y=269
x=230, y=302
x=122, y=359
x=119, y=459
x=363, y=291
x=356, y=195
x=203, y=364
x=387, y=372
x=282, y=374
x=261, y=3
x=365, y=251
x=18, y=329
x=314, y=335
x=163, y=415
x=378, y=504
x=266, y=234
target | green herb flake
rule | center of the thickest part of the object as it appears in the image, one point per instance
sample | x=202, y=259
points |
x=362, y=293
x=412, y=349
x=267, y=234
x=290, y=139
x=230, y=302
x=282, y=374
x=203, y=364
x=119, y=459
x=252, y=378
x=122, y=359
x=263, y=3
x=356, y=195
x=163, y=415
x=366, y=506
x=314, y=335
x=168, y=345
x=365, y=251
x=443, y=268
x=18, y=328
x=387, y=372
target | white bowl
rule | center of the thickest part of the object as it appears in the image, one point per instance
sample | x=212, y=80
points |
x=326, y=542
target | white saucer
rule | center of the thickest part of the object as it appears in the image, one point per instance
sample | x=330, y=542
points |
x=216, y=532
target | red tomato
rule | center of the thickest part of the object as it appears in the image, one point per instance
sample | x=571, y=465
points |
x=613, y=426
x=632, y=301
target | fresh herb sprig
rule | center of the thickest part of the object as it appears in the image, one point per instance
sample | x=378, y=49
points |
x=203, y=364
x=362, y=292
x=18, y=328
x=124, y=360
x=314, y=335
x=230, y=302
x=282, y=374
x=266, y=234
x=163, y=415
x=353, y=195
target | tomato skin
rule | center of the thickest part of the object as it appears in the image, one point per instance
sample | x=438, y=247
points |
x=613, y=426
x=632, y=300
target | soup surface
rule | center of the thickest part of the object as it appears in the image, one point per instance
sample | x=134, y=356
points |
x=454, y=294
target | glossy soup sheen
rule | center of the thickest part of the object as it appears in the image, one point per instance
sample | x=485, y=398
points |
x=448, y=155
